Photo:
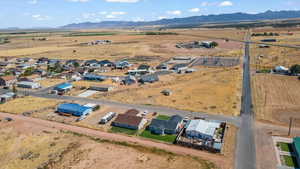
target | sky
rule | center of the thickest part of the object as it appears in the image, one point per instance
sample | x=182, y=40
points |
x=54, y=13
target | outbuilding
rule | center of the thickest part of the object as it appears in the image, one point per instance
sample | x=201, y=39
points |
x=63, y=88
x=6, y=97
x=102, y=88
x=74, y=109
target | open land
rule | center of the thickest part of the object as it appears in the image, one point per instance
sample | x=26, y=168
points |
x=45, y=147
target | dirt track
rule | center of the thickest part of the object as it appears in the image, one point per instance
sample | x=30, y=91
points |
x=219, y=160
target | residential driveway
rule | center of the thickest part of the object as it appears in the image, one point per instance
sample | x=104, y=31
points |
x=87, y=93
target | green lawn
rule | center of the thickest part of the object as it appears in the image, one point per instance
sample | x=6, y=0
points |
x=165, y=138
x=290, y=161
x=123, y=130
x=285, y=147
x=163, y=117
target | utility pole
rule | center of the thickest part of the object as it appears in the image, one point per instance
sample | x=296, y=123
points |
x=290, y=126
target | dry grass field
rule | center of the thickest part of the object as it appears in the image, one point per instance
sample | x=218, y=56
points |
x=26, y=146
x=276, y=98
x=50, y=82
x=27, y=104
x=274, y=56
x=211, y=90
x=126, y=44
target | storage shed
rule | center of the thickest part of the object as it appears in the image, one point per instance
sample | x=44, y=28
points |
x=74, y=109
x=102, y=88
x=64, y=87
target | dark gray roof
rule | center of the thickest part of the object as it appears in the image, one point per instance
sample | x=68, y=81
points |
x=166, y=124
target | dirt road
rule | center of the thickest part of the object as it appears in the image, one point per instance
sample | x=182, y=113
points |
x=219, y=160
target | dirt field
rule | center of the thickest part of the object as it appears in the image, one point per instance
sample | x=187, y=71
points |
x=126, y=44
x=276, y=98
x=23, y=145
x=211, y=90
x=268, y=58
x=28, y=104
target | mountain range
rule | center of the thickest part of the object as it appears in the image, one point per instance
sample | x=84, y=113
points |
x=194, y=20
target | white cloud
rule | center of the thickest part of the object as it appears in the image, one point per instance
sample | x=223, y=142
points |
x=118, y=13
x=226, y=3
x=194, y=10
x=78, y=0
x=162, y=17
x=39, y=17
x=176, y=12
x=33, y=2
x=102, y=13
x=123, y=1
x=110, y=16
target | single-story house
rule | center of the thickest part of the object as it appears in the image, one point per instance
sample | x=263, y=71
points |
x=28, y=85
x=25, y=66
x=179, y=67
x=91, y=62
x=65, y=87
x=281, y=69
x=129, y=80
x=162, y=66
x=93, y=77
x=144, y=67
x=102, y=88
x=32, y=78
x=7, y=80
x=74, y=109
x=202, y=129
x=106, y=63
x=122, y=65
x=296, y=147
x=269, y=40
x=6, y=97
x=162, y=127
x=129, y=120
x=149, y=78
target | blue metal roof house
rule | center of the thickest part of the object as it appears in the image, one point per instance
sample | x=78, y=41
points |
x=93, y=77
x=63, y=87
x=74, y=109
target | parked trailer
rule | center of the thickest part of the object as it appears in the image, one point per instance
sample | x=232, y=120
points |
x=107, y=117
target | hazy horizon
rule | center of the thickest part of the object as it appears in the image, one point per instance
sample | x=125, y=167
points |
x=55, y=13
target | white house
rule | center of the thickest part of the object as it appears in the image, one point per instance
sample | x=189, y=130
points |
x=28, y=85
x=202, y=129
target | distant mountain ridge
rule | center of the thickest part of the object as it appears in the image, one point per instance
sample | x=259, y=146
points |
x=194, y=20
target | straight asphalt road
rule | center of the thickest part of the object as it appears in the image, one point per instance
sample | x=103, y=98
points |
x=245, y=151
x=160, y=109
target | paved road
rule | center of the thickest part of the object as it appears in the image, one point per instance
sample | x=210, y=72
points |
x=246, y=153
x=159, y=109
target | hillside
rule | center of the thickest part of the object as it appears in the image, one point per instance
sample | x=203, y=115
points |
x=194, y=20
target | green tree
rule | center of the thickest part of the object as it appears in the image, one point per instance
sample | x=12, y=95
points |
x=295, y=69
x=76, y=64
x=214, y=44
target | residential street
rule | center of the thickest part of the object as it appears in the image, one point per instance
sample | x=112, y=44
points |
x=245, y=151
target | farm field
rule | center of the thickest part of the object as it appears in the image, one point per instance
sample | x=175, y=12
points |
x=276, y=98
x=26, y=146
x=211, y=90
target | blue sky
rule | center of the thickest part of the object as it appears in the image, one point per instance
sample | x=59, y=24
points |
x=52, y=13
